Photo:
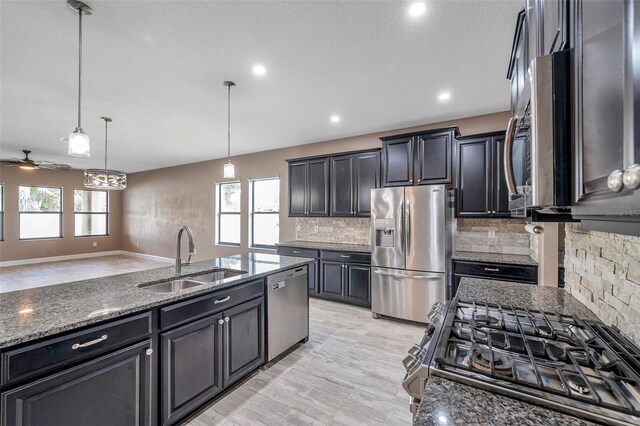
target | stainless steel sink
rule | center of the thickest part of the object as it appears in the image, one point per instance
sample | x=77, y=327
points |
x=172, y=286
x=216, y=276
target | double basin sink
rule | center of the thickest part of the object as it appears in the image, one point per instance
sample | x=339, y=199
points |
x=192, y=281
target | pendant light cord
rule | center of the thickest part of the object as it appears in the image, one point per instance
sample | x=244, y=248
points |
x=229, y=124
x=106, y=123
x=79, y=67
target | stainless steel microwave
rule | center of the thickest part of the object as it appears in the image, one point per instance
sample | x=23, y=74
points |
x=537, y=149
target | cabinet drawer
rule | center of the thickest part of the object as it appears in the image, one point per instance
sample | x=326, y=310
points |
x=300, y=252
x=57, y=352
x=199, y=307
x=346, y=256
x=509, y=272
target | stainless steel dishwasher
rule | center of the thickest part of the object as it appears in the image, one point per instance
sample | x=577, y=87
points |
x=287, y=310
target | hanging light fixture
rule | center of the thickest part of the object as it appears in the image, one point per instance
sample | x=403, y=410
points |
x=79, y=142
x=104, y=178
x=229, y=171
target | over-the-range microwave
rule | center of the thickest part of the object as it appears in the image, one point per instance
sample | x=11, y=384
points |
x=537, y=149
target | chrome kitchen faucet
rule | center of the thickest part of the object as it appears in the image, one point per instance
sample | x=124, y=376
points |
x=192, y=248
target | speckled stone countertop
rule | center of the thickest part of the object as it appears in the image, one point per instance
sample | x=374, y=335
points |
x=328, y=246
x=476, y=256
x=448, y=402
x=43, y=311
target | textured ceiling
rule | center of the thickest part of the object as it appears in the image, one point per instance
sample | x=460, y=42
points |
x=157, y=67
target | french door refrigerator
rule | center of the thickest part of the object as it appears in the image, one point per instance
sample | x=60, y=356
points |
x=411, y=250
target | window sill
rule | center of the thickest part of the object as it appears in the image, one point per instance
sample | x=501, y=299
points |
x=273, y=249
x=91, y=236
x=227, y=245
x=40, y=239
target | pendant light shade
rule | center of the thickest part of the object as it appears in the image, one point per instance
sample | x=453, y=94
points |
x=105, y=179
x=79, y=145
x=229, y=170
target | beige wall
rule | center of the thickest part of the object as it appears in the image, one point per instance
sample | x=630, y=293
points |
x=14, y=249
x=156, y=203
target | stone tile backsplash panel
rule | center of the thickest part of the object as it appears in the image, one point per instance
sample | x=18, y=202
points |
x=509, y=236
x=602, y=271
x=348, y=230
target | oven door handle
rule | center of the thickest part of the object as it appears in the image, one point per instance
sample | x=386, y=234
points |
x=508, y=155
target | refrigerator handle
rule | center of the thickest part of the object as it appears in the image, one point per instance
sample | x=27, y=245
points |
x=407, y=210
x=401, y=275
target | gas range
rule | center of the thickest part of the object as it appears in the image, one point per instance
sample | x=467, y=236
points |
x=580, y=367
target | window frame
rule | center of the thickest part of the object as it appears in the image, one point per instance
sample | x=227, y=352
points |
x=252, y=213
x=75, y=214
x=59, y=213
x=220, y=213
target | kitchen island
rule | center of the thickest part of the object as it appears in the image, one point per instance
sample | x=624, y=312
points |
x=450, y=402
x=111, y=350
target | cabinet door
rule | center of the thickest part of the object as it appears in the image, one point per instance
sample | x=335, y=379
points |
x=342, y=170
x=298, y=188
x=318, y=188
x=554, y=25
x=358, y=285
x=115, y=389
x=500, y=196
x=333, y=279
x=314, y=282
x=191, y=366
x=243, y=340
x=433, y=160
x=367, y=177
x=397, y=162
x=474, y=182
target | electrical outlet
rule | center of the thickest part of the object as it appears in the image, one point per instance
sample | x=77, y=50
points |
x=491, y=233
x=137, y=243
x=298, y=227
x=95, y=244
x=315, y=229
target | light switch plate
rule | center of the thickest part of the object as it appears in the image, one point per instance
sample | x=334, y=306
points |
x=491, y=233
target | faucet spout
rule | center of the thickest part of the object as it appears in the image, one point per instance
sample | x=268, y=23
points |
x=192, y=248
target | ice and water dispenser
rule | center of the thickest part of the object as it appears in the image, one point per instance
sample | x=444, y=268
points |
x=385, y=232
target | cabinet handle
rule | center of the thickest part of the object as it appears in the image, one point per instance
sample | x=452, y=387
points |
x=346, y=256
x=492, y=269
x=226, y=319
x=631, y=177
x=296, y=251
x=148, y=351
x=224, y=299
x=488, y=211
x=508, y=156
x=614, y=181
x=89, y=343
x=220, y=321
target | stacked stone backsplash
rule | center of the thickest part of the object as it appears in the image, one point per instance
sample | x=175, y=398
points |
x=602, y=271
x=347, y=230
x=510, y=236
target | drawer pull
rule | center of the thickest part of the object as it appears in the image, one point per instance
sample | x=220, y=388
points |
x=492, y=269
x=346, y=256
x=89, y=343
x=224, y=299
x=296, y=251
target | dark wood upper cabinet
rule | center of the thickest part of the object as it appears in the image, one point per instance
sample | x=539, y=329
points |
x=309, y=187
x=554, y=25
x=606, y=122
x=367, y=177
x=434, y=158
x=115, y=389
x=482, y=189
x=342, y=181
x=423, y=158
x=397, y=161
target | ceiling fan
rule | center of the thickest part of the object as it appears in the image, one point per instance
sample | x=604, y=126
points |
x=28, y=164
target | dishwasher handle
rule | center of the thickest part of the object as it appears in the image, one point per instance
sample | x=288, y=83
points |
x=287, y=275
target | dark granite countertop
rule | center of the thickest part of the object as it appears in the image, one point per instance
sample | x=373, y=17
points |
x=361, y=248
x=475, y=256
x=43, y=311
x=449, y=402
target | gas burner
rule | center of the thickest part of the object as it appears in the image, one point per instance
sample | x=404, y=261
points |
x=481, y=360
x=555, y=351
x=545, y=329
x=488, y=319
x=577, y=384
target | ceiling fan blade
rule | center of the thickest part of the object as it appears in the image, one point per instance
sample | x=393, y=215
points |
x=10, y=162
x=52, y=166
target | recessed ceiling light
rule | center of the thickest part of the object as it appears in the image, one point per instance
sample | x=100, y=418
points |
x=335, y=118
x=417, y=9
x=259, y=70
x=444, y=96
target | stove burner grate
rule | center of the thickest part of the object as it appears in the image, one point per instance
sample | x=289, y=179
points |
x=577, y=384
x=489, y=319
x=481, y=360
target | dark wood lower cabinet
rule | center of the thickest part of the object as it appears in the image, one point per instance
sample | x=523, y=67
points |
x=243, y=340
x=333, y=279
x=358, y=285
x=346, y=282
x=191, y=366
x=115, y=389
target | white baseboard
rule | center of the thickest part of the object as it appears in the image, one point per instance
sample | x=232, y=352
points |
x=147, y=256
x=59, y=258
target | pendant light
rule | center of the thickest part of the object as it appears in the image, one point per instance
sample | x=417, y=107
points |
x=229, y=171
x=104, y=178
x=79, y=142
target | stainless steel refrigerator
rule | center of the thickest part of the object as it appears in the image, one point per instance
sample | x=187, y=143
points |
x=411, y=250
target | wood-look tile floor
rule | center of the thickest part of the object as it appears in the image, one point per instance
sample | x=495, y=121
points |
x=23, y=277
x=349, y=373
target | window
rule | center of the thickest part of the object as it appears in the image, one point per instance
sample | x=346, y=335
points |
x=228, y=206
x=91, y=210
x=40, y=212
x=1, y=212
x=265, y=213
